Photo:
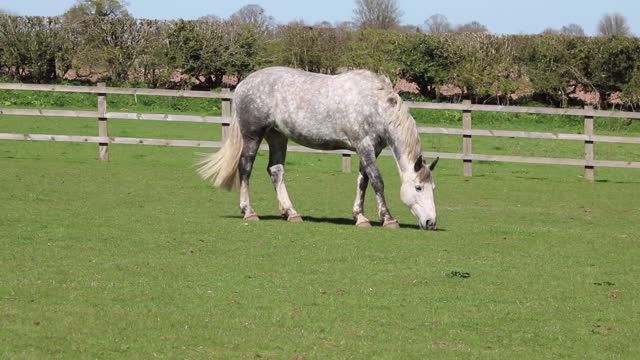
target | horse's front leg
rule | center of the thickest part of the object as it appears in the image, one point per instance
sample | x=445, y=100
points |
x=368, y=162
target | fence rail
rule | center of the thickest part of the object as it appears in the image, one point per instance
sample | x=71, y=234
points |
x=467, y=156
x=524, y=110
x=115, y=90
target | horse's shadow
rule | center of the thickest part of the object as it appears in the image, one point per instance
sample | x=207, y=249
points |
x=328, y=220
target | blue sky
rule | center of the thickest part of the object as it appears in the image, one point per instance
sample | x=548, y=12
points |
x=500, y=16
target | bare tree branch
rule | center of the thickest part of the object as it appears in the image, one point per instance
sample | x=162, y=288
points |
x=377, y=14
x=613, y=24
x=437, y=24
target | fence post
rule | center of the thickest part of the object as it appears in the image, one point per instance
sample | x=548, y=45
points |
x=103, y=147
x=588, y=146
x=226, y=114
x=346, y=163
x=467, y=162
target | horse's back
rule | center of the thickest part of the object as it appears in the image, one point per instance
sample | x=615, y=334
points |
x=316, y=110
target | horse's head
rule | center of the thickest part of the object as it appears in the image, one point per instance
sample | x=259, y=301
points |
x=417, y=193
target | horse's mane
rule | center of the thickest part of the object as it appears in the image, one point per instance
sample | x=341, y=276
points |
x=403, y=120
x=398, y=112
x=406, y=125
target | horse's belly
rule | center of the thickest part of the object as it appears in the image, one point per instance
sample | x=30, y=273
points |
x=331, y=144
x=316, y=137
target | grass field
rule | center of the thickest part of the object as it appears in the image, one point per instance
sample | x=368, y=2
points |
x=139, y=258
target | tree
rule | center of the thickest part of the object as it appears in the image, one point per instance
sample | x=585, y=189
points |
x=552, y=65
x=570, y=30
x=613, y=24
x=427, y=60
x=472, y=27
x=210, y=17
x=29, y=45
x=254, y=15
x=631, y=91
x=375, y=50
x=573, y=30
x=486, y=67
x=608, y=64
x=377, y=14
x=312, y=48
x=112, y=44
x=410, y=28
x=245, y=49
x=152, y=61
x=437, y=24
x=201, y=49
x=102, y=8
x=324, y=24
x=346, y=26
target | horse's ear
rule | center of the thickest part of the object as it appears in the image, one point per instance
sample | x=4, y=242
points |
x=433, y=164
x=419, y=164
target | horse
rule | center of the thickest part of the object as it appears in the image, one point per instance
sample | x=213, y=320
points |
x=357, y=110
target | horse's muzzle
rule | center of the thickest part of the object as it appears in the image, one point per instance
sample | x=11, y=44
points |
x=428, y=225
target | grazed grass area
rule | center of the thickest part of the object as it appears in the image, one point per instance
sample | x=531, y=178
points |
x=138, y=258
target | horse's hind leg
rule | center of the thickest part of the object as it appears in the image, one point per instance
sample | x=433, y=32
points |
x=277, y=154
x=248, y=156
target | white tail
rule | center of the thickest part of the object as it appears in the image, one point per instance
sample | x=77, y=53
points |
x=221, y=168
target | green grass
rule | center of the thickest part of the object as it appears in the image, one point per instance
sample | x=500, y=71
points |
x=139, y=258
x=122, y=103
x=125, y=128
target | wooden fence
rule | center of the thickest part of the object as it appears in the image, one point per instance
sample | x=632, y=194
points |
x=467, y=156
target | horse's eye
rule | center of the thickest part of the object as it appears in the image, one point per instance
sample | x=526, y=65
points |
x=418, y=187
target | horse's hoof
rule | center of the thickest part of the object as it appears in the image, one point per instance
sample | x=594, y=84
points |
x=363, y=224
x=251, y=217
x=391, y=224
x=294, y=218
x=362, y=221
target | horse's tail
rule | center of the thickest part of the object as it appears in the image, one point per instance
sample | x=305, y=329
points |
x=221, y=168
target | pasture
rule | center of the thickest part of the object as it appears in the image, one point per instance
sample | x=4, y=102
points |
x=139, y=258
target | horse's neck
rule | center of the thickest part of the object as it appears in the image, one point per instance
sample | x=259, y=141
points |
x=405, y=147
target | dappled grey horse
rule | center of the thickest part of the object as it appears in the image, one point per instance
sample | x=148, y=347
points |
x=357, y=111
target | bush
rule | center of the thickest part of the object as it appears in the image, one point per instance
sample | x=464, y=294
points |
x=315, y=49
x=486, y=68
x=29, y=46
x=608, y=65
